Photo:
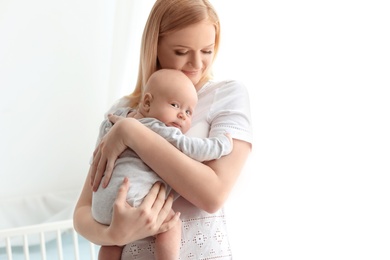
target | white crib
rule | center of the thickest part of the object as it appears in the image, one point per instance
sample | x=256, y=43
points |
x=54, y=240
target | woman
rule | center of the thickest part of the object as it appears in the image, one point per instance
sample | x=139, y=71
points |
x=182, y=35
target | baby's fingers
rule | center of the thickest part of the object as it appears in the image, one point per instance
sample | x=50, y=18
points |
x=113, y=118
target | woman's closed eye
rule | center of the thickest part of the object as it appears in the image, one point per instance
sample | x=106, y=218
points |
x=183, y=53
x=207, y=52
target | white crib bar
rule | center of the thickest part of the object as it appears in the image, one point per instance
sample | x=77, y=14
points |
x=43, y=246
x=9, y=251
x=40, y=229
x=75, y=245
x=25, y=248
x=59, y=245
x=92, y=251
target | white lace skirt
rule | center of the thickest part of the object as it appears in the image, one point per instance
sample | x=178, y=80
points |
x=204, y=236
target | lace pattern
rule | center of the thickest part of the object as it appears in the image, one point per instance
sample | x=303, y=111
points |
x=204, y=237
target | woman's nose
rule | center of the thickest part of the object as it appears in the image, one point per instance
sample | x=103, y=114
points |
x=196, y=61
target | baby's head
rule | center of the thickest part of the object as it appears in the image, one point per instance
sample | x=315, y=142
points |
x=170, y=97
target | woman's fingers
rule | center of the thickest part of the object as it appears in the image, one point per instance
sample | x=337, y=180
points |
x=95, y=162
x=105, y=155
x=122, y=194
x=108, y=172
x=130, y=224
x=160, y=207
x=167, y=223
x=152, y=196
x=99, y=166
x=125, y=225
x=154, y=204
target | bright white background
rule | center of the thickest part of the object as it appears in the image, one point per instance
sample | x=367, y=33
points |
x=317, y=183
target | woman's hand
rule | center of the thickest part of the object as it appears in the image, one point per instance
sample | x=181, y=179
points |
x=106, y=153
x=129, y=224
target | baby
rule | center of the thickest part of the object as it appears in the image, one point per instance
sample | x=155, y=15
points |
x=166, y=107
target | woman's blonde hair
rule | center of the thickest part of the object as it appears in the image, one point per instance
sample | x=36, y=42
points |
x=168, y=16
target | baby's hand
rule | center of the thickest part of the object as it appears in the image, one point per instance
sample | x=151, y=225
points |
x=114, y=118
x=131, y=114
x=230, y=139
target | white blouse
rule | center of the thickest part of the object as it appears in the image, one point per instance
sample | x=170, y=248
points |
x=222, y=107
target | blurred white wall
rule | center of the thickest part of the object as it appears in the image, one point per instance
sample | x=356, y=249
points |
x=316, y=184
x=54, y=73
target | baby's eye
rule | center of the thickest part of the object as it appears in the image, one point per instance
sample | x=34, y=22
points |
x=189, y=112
x=175, y=105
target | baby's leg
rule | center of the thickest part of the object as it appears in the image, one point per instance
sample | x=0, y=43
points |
x=110, y=253
x=168, y=243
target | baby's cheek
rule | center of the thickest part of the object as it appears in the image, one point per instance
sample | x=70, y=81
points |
x=186, y=127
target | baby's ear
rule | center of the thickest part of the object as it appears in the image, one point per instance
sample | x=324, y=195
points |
x=146, y=101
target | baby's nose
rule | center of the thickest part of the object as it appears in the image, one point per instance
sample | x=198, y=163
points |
x=182, y=115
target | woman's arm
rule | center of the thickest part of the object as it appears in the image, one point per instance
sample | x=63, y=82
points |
x=206, y=186
x=128, y=223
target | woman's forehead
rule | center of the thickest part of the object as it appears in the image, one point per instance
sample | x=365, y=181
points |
x=197, y=35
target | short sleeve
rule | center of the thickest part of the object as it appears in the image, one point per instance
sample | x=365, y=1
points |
x=230, y=112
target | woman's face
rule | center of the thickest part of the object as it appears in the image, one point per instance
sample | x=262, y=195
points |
x=190, y=50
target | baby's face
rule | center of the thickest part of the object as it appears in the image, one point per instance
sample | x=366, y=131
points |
x=175, y=106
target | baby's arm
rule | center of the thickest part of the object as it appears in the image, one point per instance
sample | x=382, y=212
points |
x=203, y=149
x=200, y=149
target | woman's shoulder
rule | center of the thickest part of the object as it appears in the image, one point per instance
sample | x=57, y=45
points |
x=225, y=86
x=119, y=105
x=123, y=111
x=226, y=90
